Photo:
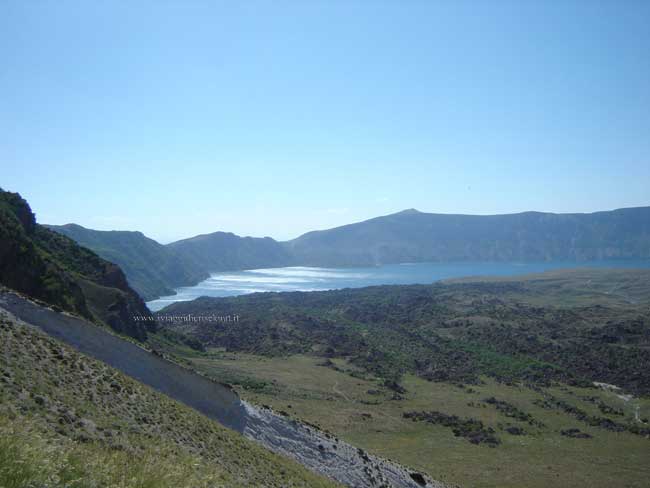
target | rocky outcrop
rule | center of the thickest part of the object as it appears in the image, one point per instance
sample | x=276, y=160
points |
x=328, y=455
x=53, y=268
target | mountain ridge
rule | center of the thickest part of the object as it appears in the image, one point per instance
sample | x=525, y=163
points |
x=406, y=236
x=528, y=236
x=225, y=251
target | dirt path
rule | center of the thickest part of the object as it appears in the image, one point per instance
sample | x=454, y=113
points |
x=627, y=398
x=336, y=390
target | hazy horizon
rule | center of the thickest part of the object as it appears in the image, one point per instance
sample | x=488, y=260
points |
x=278, y=118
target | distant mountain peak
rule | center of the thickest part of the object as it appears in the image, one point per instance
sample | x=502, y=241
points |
x=409, y=211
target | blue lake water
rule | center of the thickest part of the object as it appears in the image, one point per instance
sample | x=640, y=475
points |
x=224, y=284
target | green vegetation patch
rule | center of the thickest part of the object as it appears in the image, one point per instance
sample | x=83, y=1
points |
x=471, y=429
x=511, y=411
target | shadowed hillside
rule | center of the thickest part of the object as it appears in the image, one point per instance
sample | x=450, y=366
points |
x=151, y=268
x=224, y=251
x=55, y=269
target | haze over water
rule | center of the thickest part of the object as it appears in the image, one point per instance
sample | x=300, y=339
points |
x=300, y=278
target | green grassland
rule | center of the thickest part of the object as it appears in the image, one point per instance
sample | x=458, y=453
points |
x=356, y=406
x=69, y=421
x=580, y=287
x=33, y=456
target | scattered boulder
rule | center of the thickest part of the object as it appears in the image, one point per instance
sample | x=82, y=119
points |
x=395, y=386
x=418, y=478
x=514, y=430
x=575, y=434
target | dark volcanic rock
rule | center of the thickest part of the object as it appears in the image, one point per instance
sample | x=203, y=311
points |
x=575, y=433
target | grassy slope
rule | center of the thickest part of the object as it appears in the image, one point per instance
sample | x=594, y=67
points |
x=64, y=415
x=339, y=402
x=578, y=287
x=31, y=456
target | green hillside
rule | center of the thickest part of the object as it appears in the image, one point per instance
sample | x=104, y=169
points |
x=152, y=269
x=53, y=268
x=70, y=421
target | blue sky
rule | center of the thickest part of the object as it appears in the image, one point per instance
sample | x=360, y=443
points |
x=275, y=118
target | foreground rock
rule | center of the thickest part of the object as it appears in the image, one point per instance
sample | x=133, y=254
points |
x=327, y=454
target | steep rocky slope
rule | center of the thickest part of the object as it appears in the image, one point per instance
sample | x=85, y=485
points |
x=55, y=269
